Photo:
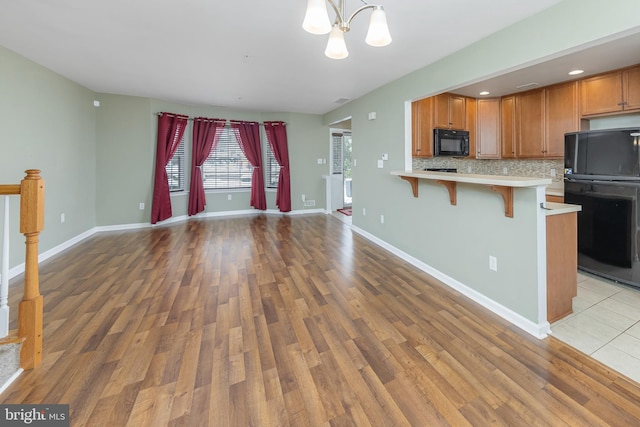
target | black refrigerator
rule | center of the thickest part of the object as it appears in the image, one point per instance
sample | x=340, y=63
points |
x=602, y=174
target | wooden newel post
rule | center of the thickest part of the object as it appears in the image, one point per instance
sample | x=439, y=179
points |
x=30, y=308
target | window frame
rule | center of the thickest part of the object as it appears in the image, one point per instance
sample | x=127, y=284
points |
x=243, y=172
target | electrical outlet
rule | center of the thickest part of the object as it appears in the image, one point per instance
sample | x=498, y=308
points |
x=505, y=171
x=229, y=197
x=141, y=206
x=380, y=164
x=381, y=219
x=493, y=263
x=319, y=161
x=62, y=218
x=469, y=169
x=355, y=162
x=364, y=212
x=552, y=172
x=304, y=198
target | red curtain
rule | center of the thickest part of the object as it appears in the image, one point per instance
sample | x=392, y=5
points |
x=205, y=140
x=277, y=138
x=248, y=135
x=170, y=131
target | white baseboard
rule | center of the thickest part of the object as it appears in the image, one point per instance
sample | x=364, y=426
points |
x=11, y=379
x=540, y=330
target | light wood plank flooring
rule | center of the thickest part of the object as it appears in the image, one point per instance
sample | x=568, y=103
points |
x=291, y=321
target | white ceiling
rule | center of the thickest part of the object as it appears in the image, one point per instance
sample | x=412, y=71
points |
x=240, y=54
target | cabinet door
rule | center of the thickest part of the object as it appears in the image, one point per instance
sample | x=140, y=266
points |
x=471, y=125
x=530, y=124
x=601, y=94
x=508, y=126
x=631, y=88
x=457, y=112
x=488, y=136
x=561, y=116
x=441, y=111
x=422, y=127
x=450, y=111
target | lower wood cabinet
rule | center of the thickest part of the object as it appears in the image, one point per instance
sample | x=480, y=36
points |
x=562, y=264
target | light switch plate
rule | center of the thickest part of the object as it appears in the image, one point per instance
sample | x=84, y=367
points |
x=380, y=164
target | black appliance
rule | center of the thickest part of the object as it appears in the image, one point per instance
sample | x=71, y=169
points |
x=448, y=142
x=602, y=174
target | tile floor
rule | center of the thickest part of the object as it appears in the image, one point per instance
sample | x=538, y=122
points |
x=605, y=324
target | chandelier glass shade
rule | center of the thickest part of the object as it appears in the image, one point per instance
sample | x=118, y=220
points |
x=316, y=21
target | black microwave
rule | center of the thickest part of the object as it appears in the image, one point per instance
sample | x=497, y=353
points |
x=448, y=142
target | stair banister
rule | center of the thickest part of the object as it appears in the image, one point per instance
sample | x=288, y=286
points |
x=4, y=274
x=30, y=308
x=31, y=192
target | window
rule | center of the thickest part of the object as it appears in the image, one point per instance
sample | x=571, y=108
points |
x=226, y=166
x=273, y=169
x=336, y=153
x=175, y=169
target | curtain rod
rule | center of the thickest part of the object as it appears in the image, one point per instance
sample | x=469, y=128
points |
x=277, y=122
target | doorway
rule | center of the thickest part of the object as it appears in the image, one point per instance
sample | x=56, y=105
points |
x=341, y=164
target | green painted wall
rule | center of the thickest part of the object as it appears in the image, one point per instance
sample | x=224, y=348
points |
x=127, y=129
x=47, y=122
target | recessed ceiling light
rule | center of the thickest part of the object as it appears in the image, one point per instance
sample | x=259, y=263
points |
x=575, y=72
x=484, y=92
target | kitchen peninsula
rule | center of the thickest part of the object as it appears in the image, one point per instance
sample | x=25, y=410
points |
x=536, y=239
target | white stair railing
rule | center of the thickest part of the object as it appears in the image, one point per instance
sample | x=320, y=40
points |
x=4, y=274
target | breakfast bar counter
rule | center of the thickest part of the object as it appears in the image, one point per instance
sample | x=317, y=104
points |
x=503, y=185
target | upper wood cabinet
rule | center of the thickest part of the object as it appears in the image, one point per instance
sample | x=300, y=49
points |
x=612, y=92
x=561, y=116
x=530, y=124
x=508, y=126
x=488, y=129
x=422, y=127
x=450, y=111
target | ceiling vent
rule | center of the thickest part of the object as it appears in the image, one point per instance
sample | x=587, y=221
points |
x=341, y=100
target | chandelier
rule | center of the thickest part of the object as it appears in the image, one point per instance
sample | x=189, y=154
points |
x=316, y=21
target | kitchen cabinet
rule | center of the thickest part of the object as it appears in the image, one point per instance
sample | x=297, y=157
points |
x=562, y=264
x=422, y=127
x=561, y=116
x=613, y=92
x=508, y=126
x=471, y=126
x=488, y=129
x=450, y=111
x=530, y=124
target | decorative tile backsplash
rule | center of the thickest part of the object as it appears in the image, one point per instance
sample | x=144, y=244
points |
x=533, y=168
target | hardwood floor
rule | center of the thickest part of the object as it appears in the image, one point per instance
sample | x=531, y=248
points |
x=291, y=321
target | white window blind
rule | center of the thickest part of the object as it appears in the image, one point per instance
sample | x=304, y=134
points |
x=175, y=169
x=272, y=168
x=227, y=166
